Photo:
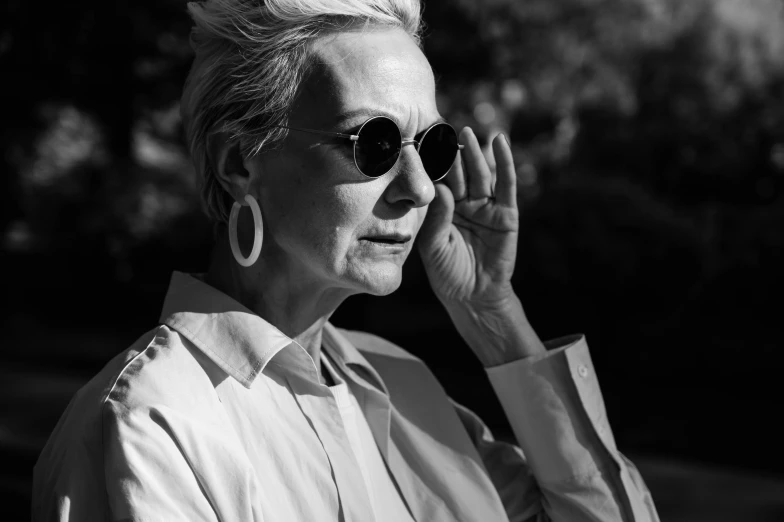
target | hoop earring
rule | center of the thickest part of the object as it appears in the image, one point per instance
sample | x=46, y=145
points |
x=258, y=232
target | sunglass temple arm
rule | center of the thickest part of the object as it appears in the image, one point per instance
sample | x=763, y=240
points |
x=352, y=137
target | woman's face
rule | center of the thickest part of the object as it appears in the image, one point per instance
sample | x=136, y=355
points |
x=328, y=224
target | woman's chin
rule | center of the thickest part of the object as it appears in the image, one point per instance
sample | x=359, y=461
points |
x=381, y=280
x=382, y=291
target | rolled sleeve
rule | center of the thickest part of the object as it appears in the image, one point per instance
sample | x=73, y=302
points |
x=555, y=408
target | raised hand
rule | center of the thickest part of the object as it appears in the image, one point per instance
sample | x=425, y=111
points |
x=468, y=241
x=468, y=244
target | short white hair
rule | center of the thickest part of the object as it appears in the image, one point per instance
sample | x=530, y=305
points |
x=251, y=56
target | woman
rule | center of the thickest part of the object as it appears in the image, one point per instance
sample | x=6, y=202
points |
x=245, y=403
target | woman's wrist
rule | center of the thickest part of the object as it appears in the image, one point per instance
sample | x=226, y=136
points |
x=497, y=335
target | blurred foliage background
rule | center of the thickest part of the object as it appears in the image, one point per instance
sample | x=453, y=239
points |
x=649, y=139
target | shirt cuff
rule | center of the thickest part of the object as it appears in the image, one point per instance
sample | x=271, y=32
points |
x=556, y=410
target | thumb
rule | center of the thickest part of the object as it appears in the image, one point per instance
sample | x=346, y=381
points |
x=436, y=227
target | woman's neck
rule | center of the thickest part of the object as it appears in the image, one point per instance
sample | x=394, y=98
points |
x=281, y=298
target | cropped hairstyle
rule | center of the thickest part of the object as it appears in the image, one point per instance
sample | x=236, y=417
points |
x=250, y=57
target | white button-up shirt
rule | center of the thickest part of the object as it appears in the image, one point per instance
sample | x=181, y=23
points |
x=216, y=415
x=386, y=502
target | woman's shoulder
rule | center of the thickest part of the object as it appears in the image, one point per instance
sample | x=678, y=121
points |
x=160, y=368
x=157, y=367
x=157, y=370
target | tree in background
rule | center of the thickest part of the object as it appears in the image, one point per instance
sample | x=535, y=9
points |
x=649, y=136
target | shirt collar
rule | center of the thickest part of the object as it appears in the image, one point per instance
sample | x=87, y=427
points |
x=235, y=338
x=241, y=342
x=346, y=355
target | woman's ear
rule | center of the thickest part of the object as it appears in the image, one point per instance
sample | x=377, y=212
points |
x=226, y=160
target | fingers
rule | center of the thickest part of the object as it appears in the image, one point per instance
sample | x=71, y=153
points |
x=455, y=179
x=479, y=177
x=471, y=177
x=506, y=178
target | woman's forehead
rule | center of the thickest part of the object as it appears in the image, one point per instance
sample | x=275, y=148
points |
x=356, y=75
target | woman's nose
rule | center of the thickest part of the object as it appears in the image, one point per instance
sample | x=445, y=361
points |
x=411, y=184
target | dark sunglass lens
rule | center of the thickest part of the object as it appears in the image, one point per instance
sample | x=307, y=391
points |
x=438, y=150
x=378, y=147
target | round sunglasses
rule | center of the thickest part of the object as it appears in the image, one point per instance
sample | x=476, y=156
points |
x=378, y=142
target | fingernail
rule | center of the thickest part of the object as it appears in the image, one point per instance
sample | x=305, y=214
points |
x=506, y=140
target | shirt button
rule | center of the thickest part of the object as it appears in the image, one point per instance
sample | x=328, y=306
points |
x=582, y=370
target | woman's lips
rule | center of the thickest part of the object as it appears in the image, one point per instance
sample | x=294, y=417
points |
x=388, y=239
x=387, y=243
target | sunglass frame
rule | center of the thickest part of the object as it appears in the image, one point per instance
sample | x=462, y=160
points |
x=355, y=138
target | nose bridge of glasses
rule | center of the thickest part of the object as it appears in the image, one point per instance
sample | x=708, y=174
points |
x=405, y=142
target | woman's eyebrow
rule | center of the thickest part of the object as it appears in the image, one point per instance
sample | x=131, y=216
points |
x=366, y=113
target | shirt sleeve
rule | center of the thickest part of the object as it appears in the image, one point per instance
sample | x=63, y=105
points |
x=567, y=466
x=148, y=478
